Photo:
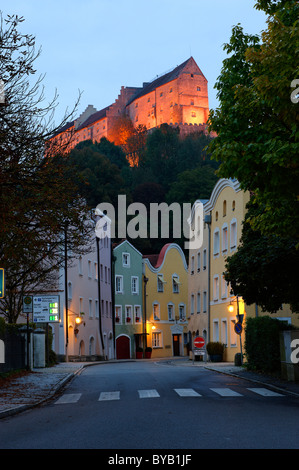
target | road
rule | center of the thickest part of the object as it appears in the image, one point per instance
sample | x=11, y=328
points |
x=148, y=405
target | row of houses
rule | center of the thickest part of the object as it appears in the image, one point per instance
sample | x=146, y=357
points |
x=122, y=303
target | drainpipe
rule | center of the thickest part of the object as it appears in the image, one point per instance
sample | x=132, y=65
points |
x=208, y=220
x=145, y=279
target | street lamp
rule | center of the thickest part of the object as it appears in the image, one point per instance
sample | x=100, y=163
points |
x=238, y=325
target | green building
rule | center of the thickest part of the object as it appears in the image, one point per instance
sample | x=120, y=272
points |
x=128, y=300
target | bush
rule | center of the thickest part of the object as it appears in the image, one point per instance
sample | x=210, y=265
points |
x=215, y=348
x=262, y=343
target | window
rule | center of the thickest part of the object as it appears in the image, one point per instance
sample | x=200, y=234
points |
x=161, y=94
x=96, y=308
x=156, y=311
x=198, y=262
x=80, y=304
x=175, y=284
x=96, y=271
x=157, y=339
x=192, y=304
x=204, y=306
x=224, y=208
x=215, y=330
x=170, y=308
x=90, y=308
x=126, y=260
x=192, y=265
x=216, y=242
x=198, y=302
x=170, y=90
x=134, y=285
x=216, y=288
x=233, y=205
x=192, y=102
x=198, y=88
x=118, y=313
x=224, y=238
x=182, y=313
x=160, y=283
x=224, y=332
x=128, y=313
x=224, y=287
x=204, y=259
x=137, y=313
x=233, y=234
x=89, y=268
x=80, y=266
x=119, y=284
x=70, y=290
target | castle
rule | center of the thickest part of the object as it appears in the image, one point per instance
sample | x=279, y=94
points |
x=178, y=98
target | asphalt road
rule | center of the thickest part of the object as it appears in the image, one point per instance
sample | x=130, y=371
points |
x=147, y=405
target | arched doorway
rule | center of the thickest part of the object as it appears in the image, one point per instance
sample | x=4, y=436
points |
x=123, y=347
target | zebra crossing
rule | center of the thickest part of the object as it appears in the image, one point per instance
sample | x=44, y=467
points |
x=181, y=392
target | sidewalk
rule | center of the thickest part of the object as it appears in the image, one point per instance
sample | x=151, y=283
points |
x=34, y=387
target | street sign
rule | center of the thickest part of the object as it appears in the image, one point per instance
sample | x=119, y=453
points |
x=238, y=328
x=46, y=309
x=199, y=342
x=2, y=283
x=27, y=304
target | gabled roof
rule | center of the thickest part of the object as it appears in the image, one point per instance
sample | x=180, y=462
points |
x=94, y=117
x=155, y=262
x=168, y=77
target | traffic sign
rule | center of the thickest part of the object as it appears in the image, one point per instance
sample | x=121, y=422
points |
x=2, y=283
x=199, y=342
x=46, y=308
x=27, y=304
x=238, y=328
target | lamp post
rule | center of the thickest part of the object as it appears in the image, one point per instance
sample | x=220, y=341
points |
x=239, y=320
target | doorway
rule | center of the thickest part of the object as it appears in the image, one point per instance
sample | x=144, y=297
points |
x=176, y=345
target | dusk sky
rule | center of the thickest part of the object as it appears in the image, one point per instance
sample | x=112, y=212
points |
x=97, y=46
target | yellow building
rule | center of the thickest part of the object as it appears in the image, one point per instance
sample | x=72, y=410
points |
x=165, y=284
x=225, y=212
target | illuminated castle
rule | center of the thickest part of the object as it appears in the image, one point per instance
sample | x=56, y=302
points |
x=178, y=98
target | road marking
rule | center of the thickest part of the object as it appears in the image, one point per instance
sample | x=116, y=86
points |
x=68, y=398
x=148, y=393
x=226, y=392
x=265, y=392
x=109, y=396
x=186, y=392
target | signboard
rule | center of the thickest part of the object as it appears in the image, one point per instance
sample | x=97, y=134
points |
x=27, y=304
x=238, y=328
x=46, y=308
x=199, y=342
x=2, y=283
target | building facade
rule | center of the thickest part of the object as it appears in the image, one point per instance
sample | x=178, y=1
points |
x=128, y=300
x=165, y=301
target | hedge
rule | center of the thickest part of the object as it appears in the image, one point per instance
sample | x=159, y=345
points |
x=262, y=343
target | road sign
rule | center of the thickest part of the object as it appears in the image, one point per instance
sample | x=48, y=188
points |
x=2, y=283
x=199, y=342
x=238, y=328
x=27, y=304
x=46, y=308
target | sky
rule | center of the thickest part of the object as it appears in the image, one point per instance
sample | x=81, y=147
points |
x=97, y=46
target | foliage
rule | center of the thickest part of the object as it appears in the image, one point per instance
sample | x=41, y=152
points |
x=264, y=270
x=215, y=348
x=262, y=343
x=37, y=199
x=256, y=122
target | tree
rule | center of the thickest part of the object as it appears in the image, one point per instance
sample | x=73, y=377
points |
x=38, y=196
x=256, y=122
x=194, y=184
x=264, y=270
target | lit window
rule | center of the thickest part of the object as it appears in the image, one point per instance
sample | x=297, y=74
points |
x=126, y=260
